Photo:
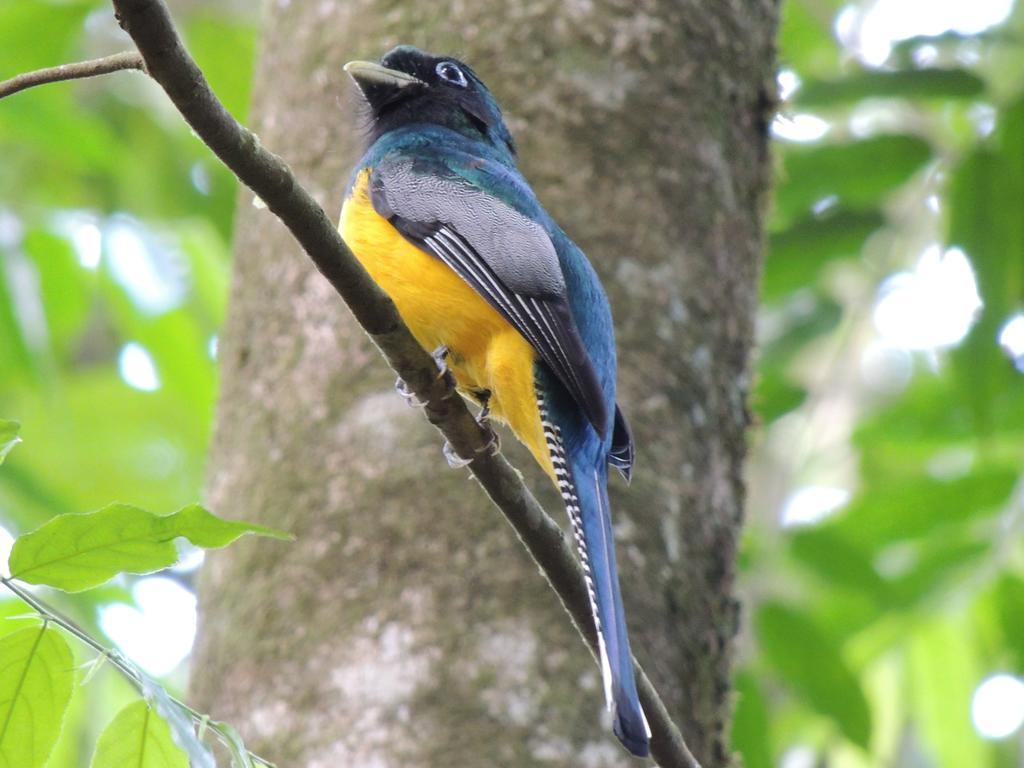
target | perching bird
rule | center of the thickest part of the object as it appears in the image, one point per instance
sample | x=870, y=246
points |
x=441, y=218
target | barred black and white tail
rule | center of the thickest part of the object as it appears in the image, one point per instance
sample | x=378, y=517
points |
x=584, y=492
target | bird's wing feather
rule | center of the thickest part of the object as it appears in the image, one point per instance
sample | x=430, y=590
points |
x=622, y=452
x=502, y=254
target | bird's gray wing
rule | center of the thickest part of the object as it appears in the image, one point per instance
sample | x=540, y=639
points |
x=502, y=254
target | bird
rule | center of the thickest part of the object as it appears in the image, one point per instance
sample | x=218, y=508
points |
x=441, y=218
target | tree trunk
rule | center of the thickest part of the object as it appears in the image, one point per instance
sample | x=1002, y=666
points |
x=406, y=625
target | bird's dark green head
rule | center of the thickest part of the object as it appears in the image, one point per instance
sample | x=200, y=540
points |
x=410, y=86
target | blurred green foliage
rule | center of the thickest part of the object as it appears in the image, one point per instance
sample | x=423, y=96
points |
x=869, y=629
x=872, y=625
x=115, y=224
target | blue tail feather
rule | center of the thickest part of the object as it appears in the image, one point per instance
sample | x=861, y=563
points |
x=581, y=469
x=630, y=725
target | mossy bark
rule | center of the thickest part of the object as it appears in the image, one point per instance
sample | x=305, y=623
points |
x=406, y=626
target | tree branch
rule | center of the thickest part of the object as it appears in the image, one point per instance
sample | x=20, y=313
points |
x=166, y=61
x=91, y=68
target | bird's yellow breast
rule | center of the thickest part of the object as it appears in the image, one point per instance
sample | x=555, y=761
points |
x=441, y=309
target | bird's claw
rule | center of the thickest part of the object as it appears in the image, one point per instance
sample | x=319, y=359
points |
x=494, y=444
x=410, y=397
x=440, y=356
x=484, y=420
x=454, y=460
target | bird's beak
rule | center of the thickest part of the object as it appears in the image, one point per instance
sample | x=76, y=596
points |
x=370, y=73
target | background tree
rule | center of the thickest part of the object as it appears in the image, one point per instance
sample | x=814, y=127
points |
x=411, y=664
x=885, y=632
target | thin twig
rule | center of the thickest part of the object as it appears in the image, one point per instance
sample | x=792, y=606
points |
x=150, y=25
x=122, y=665
x=91, y=68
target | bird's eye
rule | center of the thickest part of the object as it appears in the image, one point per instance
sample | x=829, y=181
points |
x=451, y=73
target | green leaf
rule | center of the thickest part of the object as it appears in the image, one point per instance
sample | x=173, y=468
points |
x=860, y=174
x=79, y=551
x=205, y=529
x=987, y=221
x=18, y=361
x=1008, y=599
x=774, y=395
x=798, y=254
x=952, y=45
x=209, y=259
x=36, y=679
x=812, y=666
x=64, y=288
x=140, y=738
x=109, y=440
x=19, y=23
x=943, y=671
x=751, y=734
x=805, y=43
x=789, y=330
x=938, y=565
x=876, y=84
x=931, y=423
x=8, y=437
x=829, y=555
x=208, y=34
x=15, y=615
x=800, y=323
x=889, y=513
x=844, y=612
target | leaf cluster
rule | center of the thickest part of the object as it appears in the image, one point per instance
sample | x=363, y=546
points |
x=37, y=673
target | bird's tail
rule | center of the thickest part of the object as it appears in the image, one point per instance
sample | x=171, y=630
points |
x=585, y=494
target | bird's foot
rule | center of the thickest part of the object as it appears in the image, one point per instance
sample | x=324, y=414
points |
x=410, y=397
x=455, y=461
x=439, y=356
x=494, y=444
x=484, y=420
